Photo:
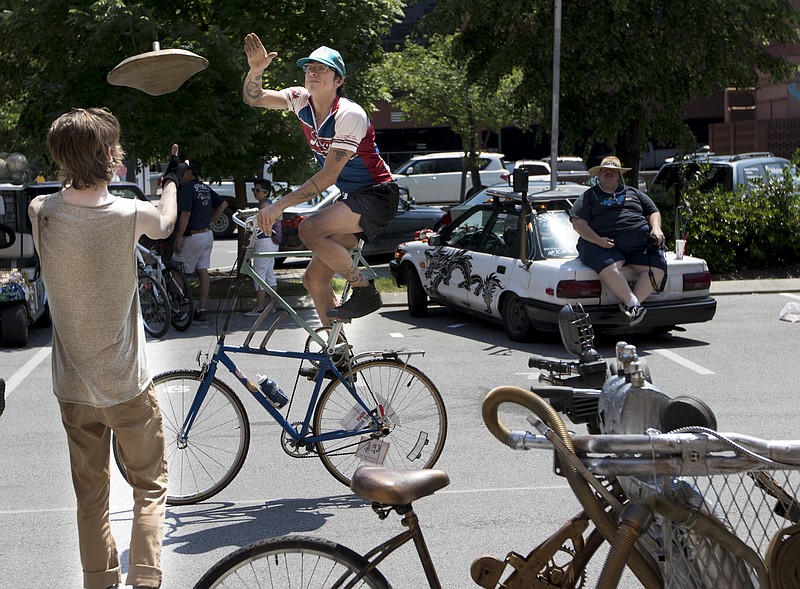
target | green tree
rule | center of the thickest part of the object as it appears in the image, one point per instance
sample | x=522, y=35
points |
x=432, y=85
x=55, y=55
x=628, y=67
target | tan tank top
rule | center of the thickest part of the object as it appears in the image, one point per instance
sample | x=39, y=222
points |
x=89, y=271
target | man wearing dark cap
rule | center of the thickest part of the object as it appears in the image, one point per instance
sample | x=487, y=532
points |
x=198, y=207
x=342, y=140
x=614, y=222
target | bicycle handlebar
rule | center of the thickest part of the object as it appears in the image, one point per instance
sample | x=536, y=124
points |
x=245, y=223
x=689, y=451
x=672, y=453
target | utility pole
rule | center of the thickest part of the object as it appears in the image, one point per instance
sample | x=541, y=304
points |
x=556, y=93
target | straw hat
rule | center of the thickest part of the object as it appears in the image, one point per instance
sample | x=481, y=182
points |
x=157, y=72
x=609, y=161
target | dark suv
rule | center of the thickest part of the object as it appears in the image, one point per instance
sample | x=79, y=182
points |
x=729, y=172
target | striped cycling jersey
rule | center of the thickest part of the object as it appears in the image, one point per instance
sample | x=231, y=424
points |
x=346, y=127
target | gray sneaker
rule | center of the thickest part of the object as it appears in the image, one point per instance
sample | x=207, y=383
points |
x=363, y=301
x=636, y=314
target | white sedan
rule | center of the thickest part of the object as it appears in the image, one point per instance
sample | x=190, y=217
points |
x=496, y=263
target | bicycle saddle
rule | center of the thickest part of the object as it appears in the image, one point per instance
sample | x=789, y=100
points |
x=390, y=486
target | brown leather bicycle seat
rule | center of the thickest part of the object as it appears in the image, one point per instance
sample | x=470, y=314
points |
x=390, y=486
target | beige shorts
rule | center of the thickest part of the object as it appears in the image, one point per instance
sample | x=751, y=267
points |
x=196, y=251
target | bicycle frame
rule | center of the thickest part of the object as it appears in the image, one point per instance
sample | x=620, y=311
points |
x=323, y=358
x=383, y=550
x=221, y=356
x=328, y=345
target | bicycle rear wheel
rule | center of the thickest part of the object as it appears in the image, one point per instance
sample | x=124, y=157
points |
x=290, y=561
x=208, y=458
x=411, y=410
x=154, y=303
x=180, y=296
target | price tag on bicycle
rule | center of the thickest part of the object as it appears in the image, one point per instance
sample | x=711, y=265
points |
x=372, y=450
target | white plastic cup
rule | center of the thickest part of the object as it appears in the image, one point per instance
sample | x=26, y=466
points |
x=680, y=245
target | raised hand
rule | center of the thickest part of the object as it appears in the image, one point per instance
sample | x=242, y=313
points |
x=174, y=171
x=257, y=56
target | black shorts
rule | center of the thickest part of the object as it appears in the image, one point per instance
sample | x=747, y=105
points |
x=630, y=248
x=376, y=204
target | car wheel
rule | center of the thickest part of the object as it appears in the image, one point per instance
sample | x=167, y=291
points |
x=516, y=322
x=224, y=226
x=416, y=295
x=15, y=325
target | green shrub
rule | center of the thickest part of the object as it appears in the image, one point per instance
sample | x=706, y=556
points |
x=756, y=227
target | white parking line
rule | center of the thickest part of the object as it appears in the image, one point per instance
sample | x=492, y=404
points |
x=396, y=335
x=790, y=295
x=25, y=370
x=683, y=361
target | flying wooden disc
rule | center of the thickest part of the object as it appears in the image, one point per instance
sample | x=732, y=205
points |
x=157, y=72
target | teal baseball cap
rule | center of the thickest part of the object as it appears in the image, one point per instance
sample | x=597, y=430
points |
x=326, y=55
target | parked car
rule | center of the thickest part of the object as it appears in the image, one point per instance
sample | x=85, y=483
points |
x=729, y=172
x=570, y=167
x=410, y=219
x=435, y=178
x=656, y=156
x=476, y=265
x=536, y=170
x=501, y=191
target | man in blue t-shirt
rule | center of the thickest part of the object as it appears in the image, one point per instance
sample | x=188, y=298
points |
x=198, y=207
x=342, y=141
x=614, y=222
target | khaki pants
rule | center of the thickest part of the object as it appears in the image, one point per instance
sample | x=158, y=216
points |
x=137, y=426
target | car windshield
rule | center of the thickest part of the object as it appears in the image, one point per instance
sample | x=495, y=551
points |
x=571, y=166
x=495, y=231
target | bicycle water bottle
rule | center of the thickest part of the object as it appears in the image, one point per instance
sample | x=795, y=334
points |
x=272, y=391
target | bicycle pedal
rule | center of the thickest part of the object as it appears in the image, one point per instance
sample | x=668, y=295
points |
x=486, y=571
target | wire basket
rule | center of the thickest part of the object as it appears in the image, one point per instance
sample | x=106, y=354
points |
x=725, y=531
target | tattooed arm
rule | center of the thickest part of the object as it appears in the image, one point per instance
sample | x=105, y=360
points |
x=336, y=160
x=259, y=59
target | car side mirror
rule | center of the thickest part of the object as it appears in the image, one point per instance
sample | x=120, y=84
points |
x=409, y=171
x=435, y=239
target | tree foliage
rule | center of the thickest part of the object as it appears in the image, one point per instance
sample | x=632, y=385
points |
x=628, y=67
x=55, y=55
x=754, y=226
x=432, y=85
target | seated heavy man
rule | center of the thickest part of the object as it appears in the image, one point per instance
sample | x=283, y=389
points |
x=615, y=222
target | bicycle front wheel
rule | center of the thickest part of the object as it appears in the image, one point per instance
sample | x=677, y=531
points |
x=154, y=303
x=180, y=297
x=290, y=561
x=413, y=422
x=204, y=460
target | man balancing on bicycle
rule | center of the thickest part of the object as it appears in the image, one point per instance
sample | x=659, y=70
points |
x=342, y=140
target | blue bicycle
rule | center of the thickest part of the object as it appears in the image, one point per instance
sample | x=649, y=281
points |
x=369, y=408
